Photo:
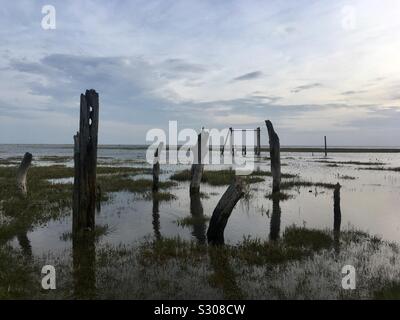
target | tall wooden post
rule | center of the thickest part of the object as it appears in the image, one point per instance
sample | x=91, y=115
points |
x=258, y=147
x=156, y=167
x=223, y=210
x=231, y=143
x=22, y=173
x=274, y=150
x=85, y=161
x=198, y=166
x=326, y=150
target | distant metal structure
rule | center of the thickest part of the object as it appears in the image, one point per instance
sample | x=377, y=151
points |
x=257, y=149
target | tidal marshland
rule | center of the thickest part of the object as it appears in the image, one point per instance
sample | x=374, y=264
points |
x=154, y=245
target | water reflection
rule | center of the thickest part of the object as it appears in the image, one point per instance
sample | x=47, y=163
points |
x=224, y=277
x=275, y=224
x=156, y=218
x=84, y=270
x=197, y=212
x=24, y=242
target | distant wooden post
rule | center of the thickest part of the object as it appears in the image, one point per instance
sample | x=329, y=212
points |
x=223, y=210
x=326, y=150
x=156, y=168
x=336, y=209
x=22, y=173
x=85, y=161
x=274, y=150
x=258, y=147
x=231, y=142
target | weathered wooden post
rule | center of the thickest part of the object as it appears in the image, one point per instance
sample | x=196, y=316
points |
x=223, y=210
x=156, y=167
x=274, y=150
x=336, y=209
x=275, y=223
x=231, y=142
x=198, y=166
x=85, y=161
x=326, y=150
x=258, y=147
x=22, y=173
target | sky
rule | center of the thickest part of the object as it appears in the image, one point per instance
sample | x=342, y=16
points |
x=313, y=68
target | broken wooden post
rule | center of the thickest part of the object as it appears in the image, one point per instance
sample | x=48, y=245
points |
x=274, y=150
x=336, y=209
x=156, y=168
x=85, y=161
x=223, y=210
x=22, y=173
x=326, y=150
x=258, y=139
x=275, y=223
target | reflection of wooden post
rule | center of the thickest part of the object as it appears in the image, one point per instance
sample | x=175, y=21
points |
x=336, y=208
x=156, y=219
x=85, y=160
x=196, y=209
x=258, y=147
x=274, y=150
x=223, y=210
x=84, y=266
x=275, y=224
x=326, y=150
x=22, y=173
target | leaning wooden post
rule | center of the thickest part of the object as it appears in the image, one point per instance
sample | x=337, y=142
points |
x=223, y=210
x=85, y=161
x=336, y=209
x=274, y=150
x=156, y=168
x=326, y=150
x=22, y=173
x=258, y=148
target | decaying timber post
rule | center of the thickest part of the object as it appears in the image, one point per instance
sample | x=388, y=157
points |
x=156, y=167
x=275, y=155
x=22, y=173
x=326, y=149
x=336, y=209
x=85, y=161
x=223, y=210
x=258, y=139
x=198, y=166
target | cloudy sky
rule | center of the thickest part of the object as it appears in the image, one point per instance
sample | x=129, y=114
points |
x=314, y=68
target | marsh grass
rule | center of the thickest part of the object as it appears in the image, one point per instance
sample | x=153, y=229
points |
x=355, y=163
x=282, y=196
x=192, y=220
x=395, y=169
x=290, y=184
x=225, y=177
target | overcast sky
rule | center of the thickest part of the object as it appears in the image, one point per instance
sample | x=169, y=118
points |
x=313, y=68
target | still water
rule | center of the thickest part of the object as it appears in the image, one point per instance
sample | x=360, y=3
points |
x=369, y=200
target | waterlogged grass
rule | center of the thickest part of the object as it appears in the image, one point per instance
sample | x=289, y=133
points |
x=302, y=264
x=355, y=163
x=395, y=169
x=225, y=177
x=192, y=220
x=282, y=196
x=290, y=184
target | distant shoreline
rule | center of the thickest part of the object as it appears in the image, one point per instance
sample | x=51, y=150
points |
x=311, y=149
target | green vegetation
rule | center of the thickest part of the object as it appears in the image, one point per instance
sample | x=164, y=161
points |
x=396, y=169
x=192, y=220
x=282, y=196
x=290, y=184
x=225, y=177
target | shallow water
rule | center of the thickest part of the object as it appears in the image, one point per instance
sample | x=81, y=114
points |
x=369, y=202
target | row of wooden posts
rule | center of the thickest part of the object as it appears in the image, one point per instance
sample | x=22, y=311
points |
x=85, y=164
